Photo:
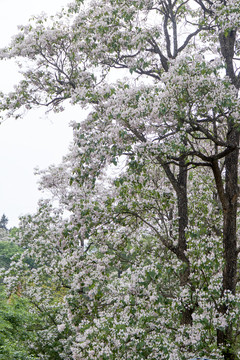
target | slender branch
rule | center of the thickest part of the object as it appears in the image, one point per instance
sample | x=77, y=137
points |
x=193, y=163
x=219, y=184
x=165, y=242
x=207, y=159
x=43, y=311
x=197, y=127
x=188, y=38
x=206, y=10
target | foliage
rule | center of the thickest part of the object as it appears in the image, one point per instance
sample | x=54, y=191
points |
x=136, y=252
x=24, y=323
x=7, y=250
x=4, y=236
x=14, y=332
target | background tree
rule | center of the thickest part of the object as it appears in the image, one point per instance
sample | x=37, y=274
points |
x=171, y=129
x=28, y=327
x=3, y=222
x=16, y=328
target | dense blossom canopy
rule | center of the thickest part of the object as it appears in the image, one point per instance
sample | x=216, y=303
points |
x=136, y=252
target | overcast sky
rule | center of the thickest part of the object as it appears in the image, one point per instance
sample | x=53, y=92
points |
x=35, y=141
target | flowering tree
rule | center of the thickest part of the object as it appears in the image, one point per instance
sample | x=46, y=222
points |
x=146, y=259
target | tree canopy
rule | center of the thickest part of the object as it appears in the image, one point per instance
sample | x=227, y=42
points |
x=137, y=248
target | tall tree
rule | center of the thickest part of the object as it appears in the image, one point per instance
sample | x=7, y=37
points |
x=150, y=254
x=3, y=222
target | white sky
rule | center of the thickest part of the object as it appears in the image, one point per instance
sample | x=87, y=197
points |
x=35, y=140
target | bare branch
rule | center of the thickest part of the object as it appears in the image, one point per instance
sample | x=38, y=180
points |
x=188, y=39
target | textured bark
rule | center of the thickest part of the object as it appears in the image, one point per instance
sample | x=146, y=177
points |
x=230, y=215
x=180, y=186
x=227, y=43
x=186, y=318
x=230, y=197
x=225, y=337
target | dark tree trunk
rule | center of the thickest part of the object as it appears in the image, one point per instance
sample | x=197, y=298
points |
x=225, y=337
x=230, y=215
x=182, y=200
x=180, y=186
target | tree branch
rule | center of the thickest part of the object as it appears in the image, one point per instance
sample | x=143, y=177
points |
x=219, y=184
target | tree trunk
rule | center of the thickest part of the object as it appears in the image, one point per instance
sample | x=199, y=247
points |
x=180, y=186
x=186, y=316
x=225, y=337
